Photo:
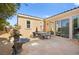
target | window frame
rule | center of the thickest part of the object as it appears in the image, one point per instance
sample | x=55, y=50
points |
x=28, y=24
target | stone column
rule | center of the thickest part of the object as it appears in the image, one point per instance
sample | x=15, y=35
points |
x=70, y=28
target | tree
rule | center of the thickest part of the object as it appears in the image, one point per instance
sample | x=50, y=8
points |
x=3, y=23
x=16, y=27
x=8, y=9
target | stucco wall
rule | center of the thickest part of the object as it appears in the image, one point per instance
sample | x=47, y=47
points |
x=66, y=15
x=27, y=32
x=47, y=23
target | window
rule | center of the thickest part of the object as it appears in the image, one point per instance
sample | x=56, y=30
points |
x=28, y=24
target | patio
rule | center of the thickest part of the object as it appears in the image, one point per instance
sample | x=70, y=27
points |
x=54, y=46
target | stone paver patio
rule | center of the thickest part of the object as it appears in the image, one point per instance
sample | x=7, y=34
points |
x=54, y=46
x=5, y=46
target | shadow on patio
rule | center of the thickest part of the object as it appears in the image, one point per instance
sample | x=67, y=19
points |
x=5, y=46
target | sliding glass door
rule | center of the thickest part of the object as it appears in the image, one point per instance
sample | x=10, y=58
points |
x=58, y=28
x=62, y=28
x=76, y=27
x=65, y=28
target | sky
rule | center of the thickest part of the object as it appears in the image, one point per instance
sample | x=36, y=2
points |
x=42, y=10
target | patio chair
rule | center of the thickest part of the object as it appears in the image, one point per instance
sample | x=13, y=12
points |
x=34, y=34
x=48, y=35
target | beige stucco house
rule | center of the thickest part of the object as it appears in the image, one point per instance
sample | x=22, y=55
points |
x=29, y=24
x=64, y=24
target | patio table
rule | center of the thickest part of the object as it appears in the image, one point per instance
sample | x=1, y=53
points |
x=44, y=35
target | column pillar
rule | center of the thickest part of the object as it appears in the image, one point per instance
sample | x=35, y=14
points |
x=70, y=28
x=54, y=28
